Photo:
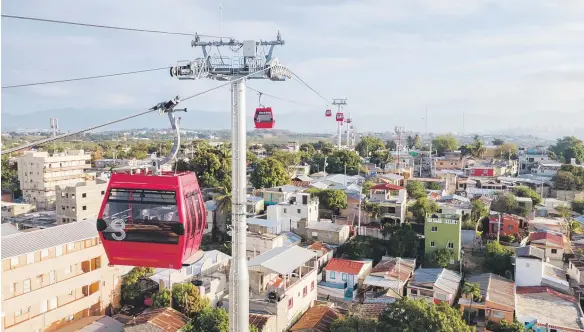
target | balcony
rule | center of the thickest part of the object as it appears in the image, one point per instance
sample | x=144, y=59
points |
x=65, y=168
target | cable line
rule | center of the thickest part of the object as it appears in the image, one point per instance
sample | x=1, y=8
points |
x=107, y=26
x=308, y=86
x=84, y=78
x=280, y=98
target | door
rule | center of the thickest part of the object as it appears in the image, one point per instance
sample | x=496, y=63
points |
x=43, y=306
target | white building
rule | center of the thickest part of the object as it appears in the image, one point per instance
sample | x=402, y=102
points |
x=531, y=269
x=299, y=206
x=80, y=201
x=40, y=173
x=343, y=277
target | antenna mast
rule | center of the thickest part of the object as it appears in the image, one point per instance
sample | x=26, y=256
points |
x=236, y=69
x=398, y=132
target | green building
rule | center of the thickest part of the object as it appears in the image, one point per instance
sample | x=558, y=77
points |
x=443, y=230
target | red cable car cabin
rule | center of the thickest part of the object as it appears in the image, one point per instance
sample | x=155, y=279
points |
x=264, y=118
x=328, y=113
x=152, y=220
x=340, y=117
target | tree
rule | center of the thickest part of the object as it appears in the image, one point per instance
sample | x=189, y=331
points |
x=269, y=173
x=504, y=326
x=212, y=166
x=368, y=144
x=568, y=147
x=187, y=299
x=308, y=148
x=422, y=207
x=391, y=145
x=404, y=240
x=465, y=150
x=253, y=328
x=131, y=292
x=505, y=203
x=354, y=324
x=433, y=186
x=381, y=157
x=479, y=210
x=444, y=143
x=474, y=290
x=569, y=177
x=410, y=141
x=331, y=199
x=577, y=205
x=210, y=320
x=96, y=155
x=10, y=180
x=287, y=158
x=523, y=191
x=506, y=151
x=367, y=187
x=498, y=142
x=417, y=141
x=408, y=315
x=477, y=147
x=161, y=299
x=442, y=257
x=251, y=158
x=415, y=189
x=497, y=258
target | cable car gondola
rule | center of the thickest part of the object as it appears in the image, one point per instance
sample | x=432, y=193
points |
x=264, y=117
x=328, y=113
x=340, y=117
x=150, y=218
x=349, y=120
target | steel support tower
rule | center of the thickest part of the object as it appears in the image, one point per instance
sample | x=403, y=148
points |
x=398, y=132
x=237, y=69
x=339, y=103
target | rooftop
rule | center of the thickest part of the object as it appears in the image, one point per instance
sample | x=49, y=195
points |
x=496, y=289
x=258, y=320
x=344, y=265
x=547, y=238
x=386, y=186
x=326, y=226
x=530, y=251
x=396, y=268
x=320, y=246
x=281, y=260
x=317, y=319
x=8, y=229
x=27, y=242
x=446, y=280
x=161, y=319
x=94, y=324
x=536, y=302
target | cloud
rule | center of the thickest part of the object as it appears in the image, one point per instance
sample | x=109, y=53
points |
x=50, y=91
x=120, y=99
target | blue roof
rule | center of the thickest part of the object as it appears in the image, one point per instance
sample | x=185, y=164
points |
x=211, y=205
x=291, y=239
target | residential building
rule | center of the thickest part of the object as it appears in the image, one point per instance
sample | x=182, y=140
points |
x=8, y=229
x=277, y=195
x=434, y=285
x=298, y=206
x=80, y=201
x=392, y=202
x=299, y=170
x=264, y=323
x=327, y=232
x=283, y=283
x=317, y=319
x=543, y=309
x=529, y=160
x=10, y=209
x=443, y=231
x=390, y=178
x=259, y=243
x=55, y=275
x=576, y=270
x=254, y=205
x=323, y=252
x=552, y=243
x=509, y=224
x=525, y=202
x=547, y=169
x=40, y=173
x=450, y=163
x=532, y=269
x=95, y=324
x=108, y=163
x=157, y=320
x=389, y=277
x=342, y=278
x=498, y=299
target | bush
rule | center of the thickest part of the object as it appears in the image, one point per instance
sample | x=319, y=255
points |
x=161, y=299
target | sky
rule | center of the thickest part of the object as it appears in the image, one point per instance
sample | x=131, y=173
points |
x=504, y=64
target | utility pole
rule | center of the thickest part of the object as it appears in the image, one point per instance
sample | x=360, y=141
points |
x=339, y=103
x=499, y=227
x=239, y=69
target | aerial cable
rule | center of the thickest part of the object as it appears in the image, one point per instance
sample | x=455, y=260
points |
x=108, y=26
x=154, y=109
x=84, y=78
x=280, y=98
x=308, y=86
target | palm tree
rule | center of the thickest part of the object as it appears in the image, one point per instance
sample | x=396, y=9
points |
x=477, y=147
x=474, y=290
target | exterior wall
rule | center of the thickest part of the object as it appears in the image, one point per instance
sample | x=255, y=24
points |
x=528, y=271
x=509, y=225
x=79, y=202
x=448, y=230
x=15, y=209
x=301, y=302
x=454, y=163
x=557, y=255
x=67, y=283
x=290, y=214
x=274, y=197
x=336, y=238
x=574, y=273
x=39, y=173
x=482, y=171
x=258, y=244
x=337, y=278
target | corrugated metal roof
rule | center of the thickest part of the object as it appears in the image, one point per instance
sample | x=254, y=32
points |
x=8, y=229
x=326, y=226
x=317, y=319
x=291, y=239
x=165, y=319
x=345, y=265
x=443, y=279
x=382, y=282
x=282, y=260
x=24, y=243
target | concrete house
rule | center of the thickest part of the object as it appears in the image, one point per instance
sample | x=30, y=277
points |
x=498, y=299
x=532, y=269
x=434, y=285
x=392, y=201
x=443, y=231
x=327, y=232
x=343, y=277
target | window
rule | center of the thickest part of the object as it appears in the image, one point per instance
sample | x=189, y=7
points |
x=68, y=269
x=43, y=306
x=510, y=227
x=13, y=261
x=26, y=286
x=40, y=278
x=84, y=208
x=155, y=209
x=18, y=312
x=71, y=293
x=432, y=244
x=344, y=276
x=71, y=246
x=554, y=251
x=498, y=314
x=30, y=258
x=304, y=291
x=298, y=211
x=44, y=253
x=285, y=210
x=312, y=285
x=72, y=208
x=450, y=245
x=102, y=192
x=84, y=195
x=70, y=318
x=333, y=275
x=52, y=277
x=63, y=207
x=290, y=302
x=12, y=287
x=53, y=303
x=527, y=265
x=434, y=228
x=58, y=251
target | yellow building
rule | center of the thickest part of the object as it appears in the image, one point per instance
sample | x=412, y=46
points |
x=54, y=276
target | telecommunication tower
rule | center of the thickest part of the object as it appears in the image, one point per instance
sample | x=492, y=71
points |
x=339, y=103
x=398, y=133
x=254, y=63
x=54, y=125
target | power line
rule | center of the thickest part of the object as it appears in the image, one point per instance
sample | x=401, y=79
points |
x=83, y=78
x=107, y=26
x=308, y=86
x=280, y=98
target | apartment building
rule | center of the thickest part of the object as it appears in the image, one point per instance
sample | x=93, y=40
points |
x=298, y=206
x=39, y=174
x=53, y=276
x=443, y=231
x=80, y=201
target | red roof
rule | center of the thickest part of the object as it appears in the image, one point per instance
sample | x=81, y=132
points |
x=344, y=265
x=549, y=238
x=318, y=318
x=387, y=186
x=319, y=246
x=543, y=289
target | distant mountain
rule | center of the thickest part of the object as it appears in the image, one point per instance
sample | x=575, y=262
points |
x=75, y=119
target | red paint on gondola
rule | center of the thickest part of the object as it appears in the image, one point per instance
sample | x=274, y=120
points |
x=264, y=118
x=152, y=220
x=340, y=117
x=328, y=113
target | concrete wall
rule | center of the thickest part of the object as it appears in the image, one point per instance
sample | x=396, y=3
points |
x=528, y=271
x=79, y=202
